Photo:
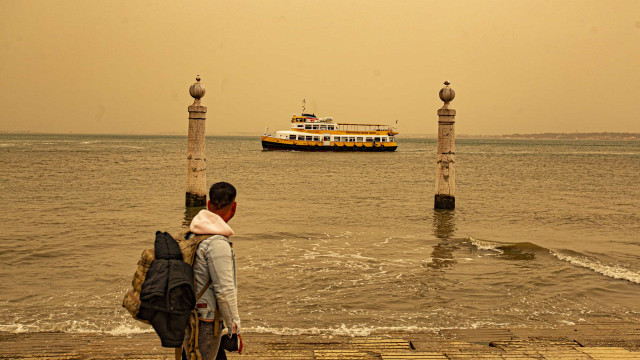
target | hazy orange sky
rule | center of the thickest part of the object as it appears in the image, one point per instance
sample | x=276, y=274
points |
x=125, y=67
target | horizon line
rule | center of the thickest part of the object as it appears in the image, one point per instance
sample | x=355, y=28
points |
x=248, y=134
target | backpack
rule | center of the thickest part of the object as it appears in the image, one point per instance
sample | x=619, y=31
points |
x=163, y=292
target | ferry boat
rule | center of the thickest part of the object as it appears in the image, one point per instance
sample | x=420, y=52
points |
x=310, y=133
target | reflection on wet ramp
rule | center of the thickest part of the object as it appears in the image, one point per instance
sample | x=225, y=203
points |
x=444, y=227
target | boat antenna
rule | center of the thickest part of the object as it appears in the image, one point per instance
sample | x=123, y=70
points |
x=304, y=102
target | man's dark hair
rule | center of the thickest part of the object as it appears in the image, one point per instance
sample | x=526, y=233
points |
x=222, y=194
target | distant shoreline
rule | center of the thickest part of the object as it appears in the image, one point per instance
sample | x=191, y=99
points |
x=572, y=136
x=622, y=136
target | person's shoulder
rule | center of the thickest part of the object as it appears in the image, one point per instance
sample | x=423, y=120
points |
x=218, y=238
x=218, y=241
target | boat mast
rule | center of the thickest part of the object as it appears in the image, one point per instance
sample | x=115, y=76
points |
x=304, y=103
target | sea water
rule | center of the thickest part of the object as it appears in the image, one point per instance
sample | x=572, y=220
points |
x=545, y=233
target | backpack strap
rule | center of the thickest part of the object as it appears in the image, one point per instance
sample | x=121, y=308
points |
x=203, y=290
x=216, y=320
x=193, y=350
x=194, y=321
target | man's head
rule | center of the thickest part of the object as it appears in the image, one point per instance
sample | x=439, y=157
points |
x=222, y=200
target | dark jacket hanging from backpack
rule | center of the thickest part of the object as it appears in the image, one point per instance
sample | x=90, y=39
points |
x=167, y=295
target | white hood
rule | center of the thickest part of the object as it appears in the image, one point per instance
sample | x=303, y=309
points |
x=209, y=223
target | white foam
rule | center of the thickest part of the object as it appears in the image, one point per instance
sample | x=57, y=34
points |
x=75, y=327
x=125, y=330
x=483, y=324
x=486, y=245
x=335, y=255
x=81, y=327
x=616, y=272
x=342, y=330
x=17, y=328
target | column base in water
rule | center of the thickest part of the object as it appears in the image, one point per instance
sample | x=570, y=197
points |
x=195, y=200
x=444, y=202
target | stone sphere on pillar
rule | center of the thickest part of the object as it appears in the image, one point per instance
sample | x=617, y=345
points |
x=197, y=90
x=447, y=94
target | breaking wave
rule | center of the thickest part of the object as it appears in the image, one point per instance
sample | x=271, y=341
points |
x=528, y=251
x=612, y=271
x=513, y=251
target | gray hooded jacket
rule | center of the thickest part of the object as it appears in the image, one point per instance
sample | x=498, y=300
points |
x=215, y=260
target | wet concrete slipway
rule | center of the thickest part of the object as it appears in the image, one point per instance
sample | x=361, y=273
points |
x=586, y=341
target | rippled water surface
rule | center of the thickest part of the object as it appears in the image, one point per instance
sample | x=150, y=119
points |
x=545, y=232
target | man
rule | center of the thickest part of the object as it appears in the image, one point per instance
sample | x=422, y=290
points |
x=215, y=261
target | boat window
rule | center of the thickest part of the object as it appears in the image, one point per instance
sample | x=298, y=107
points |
x=309, y=138
x=369, y=139
x=352, y=139
x=327, y=138
x=292, y=137
x=392, y=139
x=300, y=137
x=307, y=126
x=323, y=127
x=376, y=139
x=301, y=126
x=315, y=127
x=359, y=139
x=383, y=139
x=316, y=138
x=330, y=127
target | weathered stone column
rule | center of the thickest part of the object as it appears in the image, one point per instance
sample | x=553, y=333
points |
x=196, y=159
x=445, y=169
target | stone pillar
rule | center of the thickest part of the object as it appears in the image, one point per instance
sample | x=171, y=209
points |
x=196, y=158
x=445, y=197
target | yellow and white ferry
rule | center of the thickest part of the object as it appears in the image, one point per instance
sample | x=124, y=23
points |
x=310, y=133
